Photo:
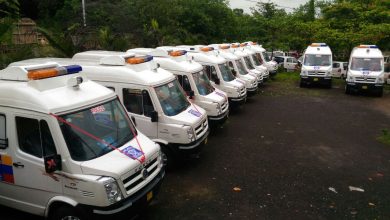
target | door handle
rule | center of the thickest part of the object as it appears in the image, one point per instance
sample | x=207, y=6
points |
x=133, y=119
x=18, y=164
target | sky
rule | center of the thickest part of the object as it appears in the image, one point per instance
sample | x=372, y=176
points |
x=246, y=4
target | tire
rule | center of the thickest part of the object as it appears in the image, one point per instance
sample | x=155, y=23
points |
x=302, y=84
x=379, y=92
x=329, y=84
x=167, y=157
x=66, y=212
x=347, y=89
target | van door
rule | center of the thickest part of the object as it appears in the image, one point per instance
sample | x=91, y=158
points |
x=336, y=70
x=139, y=106
x=23, y=164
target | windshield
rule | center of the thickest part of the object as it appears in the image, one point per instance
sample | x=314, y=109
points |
x=172, y=99
x=202, y=83
x=241, y=68
x=258, y=56
x=317, y=60
x=227, y=74
x=108, y=122
x=368, y=64
x=248, y=63
x=266, y=57
x=257, y=62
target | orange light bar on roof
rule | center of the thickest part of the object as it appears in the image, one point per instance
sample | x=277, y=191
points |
x=243, y=44
x=177, y=53
x=235, y=45
x=52, y=72
x=206, y=49
x=224, y=47
x=138, y=60
x=254, y=43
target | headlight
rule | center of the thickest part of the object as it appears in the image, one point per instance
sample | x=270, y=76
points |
x=238, y=90
x=191, y=134
x=380, y=80
x=112, y=190
x=218, y=108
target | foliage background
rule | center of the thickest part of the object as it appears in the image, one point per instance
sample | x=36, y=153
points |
x=124, y=24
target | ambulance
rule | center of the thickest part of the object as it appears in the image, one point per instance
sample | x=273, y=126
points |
x=68, y=150
x=263, y=58
x=219, y=73
x=246, y=63
x=153, y=99
x=365, y=70
x=234, y=62
x=192, y=79
x=252, y=61
x=317, y=65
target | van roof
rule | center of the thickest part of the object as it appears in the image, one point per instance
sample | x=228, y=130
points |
x=201, y=56
x=180, y=61
x=367, y=51
x=49, y=95
x=145, y=73
x=318, y=48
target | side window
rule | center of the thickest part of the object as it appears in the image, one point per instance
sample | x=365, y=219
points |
x=289, y=60
x=34, y=137
x=336, y=65
x=147, y=103
x=186, y=84
x=211, y=72
x=3, y=135
x=132, y=99
x=231, y=67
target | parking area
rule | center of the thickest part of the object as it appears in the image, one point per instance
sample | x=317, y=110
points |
x=289, y=153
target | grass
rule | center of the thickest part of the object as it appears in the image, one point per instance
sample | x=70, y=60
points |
x=287, y=83
x=385, y=137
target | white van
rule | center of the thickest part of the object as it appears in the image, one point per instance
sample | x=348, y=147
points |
x=317, y=65
x=219, y=73
x=235, y=65
x=248, y=63
x=339, y=69
x=263, y=58
x=365, y=70
x=192, y=79
x=153, y=99
x=252, y=61
x=289, y=64
x=68, y=148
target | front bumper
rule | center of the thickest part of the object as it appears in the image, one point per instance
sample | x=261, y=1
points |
x=238, y=100
x=220, y=117
x=365, y=86
x=129, y=206
x=192, y=149
x=316, y=79
x=252, y=91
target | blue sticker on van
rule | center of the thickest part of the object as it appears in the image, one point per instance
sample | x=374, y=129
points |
x=132, y=152
x=196, y=113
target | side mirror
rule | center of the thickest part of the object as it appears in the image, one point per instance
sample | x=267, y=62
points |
x=154, y=116
x=191, y=94
x=217, y=81
x=52, y=163
x=234, y=72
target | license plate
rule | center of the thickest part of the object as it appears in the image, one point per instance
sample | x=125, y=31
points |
x=364, y=87
x=205, y=141
x=315, y=79
x=149, y=196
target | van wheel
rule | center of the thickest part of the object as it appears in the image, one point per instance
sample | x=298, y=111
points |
x=379, y=92
x=167, y=157
x=347, y=89
x=66, y=212
x=302, y=84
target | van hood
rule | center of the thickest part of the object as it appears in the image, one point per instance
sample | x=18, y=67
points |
x=317, y=68
x=217, y=96
x=365, y=73
x=191, y=116
x=115, y=164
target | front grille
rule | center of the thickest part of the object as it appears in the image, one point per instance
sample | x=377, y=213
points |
x=201, y=128
x=136, y=178
x=242, y=92
x=367, y=79
x=224, y=106
x=315, y=73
